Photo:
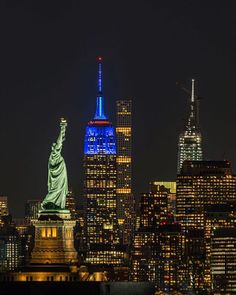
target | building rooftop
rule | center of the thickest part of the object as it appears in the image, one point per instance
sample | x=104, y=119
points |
x=206, y=168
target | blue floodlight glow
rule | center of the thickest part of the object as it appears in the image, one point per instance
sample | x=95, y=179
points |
x=99, y=114
x=99, y=140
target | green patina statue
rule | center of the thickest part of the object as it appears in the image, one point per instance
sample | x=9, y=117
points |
x=57, y=175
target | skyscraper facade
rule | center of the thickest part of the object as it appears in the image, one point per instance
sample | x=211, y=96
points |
x=157, y=245
x=190, y=140
x=170, y=256
x=202, y=183
x=125, y=199
x=171, y=198
x=9, y=249
x=71, y=203
x=201, y=186
x=218, y=218
x=3, y=208
x=153, y=206
x=223, y=261
x=145, y=256
x=100, y=176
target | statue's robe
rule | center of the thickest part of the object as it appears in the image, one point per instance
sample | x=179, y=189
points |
x=57, y=180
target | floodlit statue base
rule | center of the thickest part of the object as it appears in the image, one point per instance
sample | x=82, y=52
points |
x=54, y=239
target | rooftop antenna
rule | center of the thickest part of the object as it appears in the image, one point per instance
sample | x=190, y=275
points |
x=100, y=114
x=193, y=120
x=99, y=75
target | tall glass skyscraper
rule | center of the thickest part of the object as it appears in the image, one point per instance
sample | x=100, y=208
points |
x=190, y=140
x=100, y=175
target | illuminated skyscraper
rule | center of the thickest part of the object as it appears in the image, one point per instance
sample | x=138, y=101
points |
x=100, y=185
x=125, y=199
x=219, y=217
x=223, y=261
x=71, y=203
x=190, y=140
x=202, y=184
x=171, y=198
x=3, y=208
x=157, y=246
x=9, y=248
x=145, y=256
x=170, y=256
x=153, y=206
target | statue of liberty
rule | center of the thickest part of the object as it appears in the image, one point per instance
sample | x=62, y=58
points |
x=57, y=175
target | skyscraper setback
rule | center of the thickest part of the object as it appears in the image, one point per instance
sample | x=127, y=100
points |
x=125, y=199
x=190, y=140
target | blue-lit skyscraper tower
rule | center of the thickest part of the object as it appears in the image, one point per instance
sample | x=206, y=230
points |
x=100, y=176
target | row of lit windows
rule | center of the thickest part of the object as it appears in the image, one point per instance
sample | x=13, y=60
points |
x=49, y=232
x=123, y=159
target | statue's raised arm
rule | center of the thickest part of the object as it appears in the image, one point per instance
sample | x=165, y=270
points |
x=57, y=175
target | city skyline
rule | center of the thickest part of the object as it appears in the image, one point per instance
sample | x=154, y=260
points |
x=36, y=78
x=118, y=162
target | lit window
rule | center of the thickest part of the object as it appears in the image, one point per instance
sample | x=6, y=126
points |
x=43, y=232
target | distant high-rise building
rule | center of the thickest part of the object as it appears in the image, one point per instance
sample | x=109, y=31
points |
x=144, y=262
x=80, y=231
x=171, y=197
x=223, y=261
x=26, y=235
x=170, y=245
x=9, y=249
x=100, y=176
x=32, y=208
x=3, y=208
x=153, y=206
x=71, y=203
x=201, y=185
x=217, y=217
x=157, y=246
x=125, y=199
x=190, y=140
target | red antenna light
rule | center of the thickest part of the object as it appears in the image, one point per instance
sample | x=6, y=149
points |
x=100, y=58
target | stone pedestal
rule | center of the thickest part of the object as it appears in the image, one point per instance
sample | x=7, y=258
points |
x=54, y=239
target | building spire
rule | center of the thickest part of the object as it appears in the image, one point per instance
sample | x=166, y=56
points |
x=100, y=114
x=192, y=95
x=99, y=75
x=193, y=117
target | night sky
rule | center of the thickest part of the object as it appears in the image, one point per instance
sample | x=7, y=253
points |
x=48, y=70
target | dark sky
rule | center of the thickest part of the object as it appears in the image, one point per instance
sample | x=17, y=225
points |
x=48, y=70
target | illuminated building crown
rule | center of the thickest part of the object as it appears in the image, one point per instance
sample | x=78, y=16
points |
x=100, y=134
